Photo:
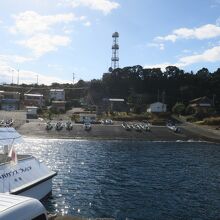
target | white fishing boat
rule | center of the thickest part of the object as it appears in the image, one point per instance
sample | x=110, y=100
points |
x=69, y=125
x=137, y=127
x=22, y=174
x=145, y=127
x=59, y=126
x=49, y=126
x=126, y=126
x=87, y=126
x=173, y=128
x=7, y=123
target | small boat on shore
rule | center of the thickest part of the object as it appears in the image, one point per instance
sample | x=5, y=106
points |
x=87, y=126
x=59, y=126
x=7, y=123
x=126, y=126
x=145, y=127
x=173, y=127
x=49, y=126
x=22, y=174
x=69, y=125
x=137, y=127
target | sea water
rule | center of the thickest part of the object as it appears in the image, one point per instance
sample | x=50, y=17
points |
x=131, y=179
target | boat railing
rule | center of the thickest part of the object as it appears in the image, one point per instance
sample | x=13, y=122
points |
x=19, y=159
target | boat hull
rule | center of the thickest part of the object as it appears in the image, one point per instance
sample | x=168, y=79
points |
x=28, y=177
x=39, y=191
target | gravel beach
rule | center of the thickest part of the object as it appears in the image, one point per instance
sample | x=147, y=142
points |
x=36, y=128
x=110, y=132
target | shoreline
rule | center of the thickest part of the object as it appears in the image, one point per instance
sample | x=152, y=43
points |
x=116, y=132
x=109, y=139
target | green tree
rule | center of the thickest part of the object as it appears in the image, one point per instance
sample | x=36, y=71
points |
x=178, y=108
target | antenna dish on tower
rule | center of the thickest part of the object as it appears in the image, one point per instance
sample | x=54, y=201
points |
x=116, y=34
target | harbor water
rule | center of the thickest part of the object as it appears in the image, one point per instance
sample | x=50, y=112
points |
x=131, y=180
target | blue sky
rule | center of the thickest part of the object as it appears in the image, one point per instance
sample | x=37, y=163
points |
x=54, y=38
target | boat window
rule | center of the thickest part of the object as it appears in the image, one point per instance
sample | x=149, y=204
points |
x=40, y=217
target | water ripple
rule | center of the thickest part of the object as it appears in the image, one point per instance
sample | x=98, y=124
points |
x=133, y=180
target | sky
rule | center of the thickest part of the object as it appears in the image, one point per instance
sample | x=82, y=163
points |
x=47, y=41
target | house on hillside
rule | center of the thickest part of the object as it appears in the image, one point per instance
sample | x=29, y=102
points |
x=112, y=104
x=9, y=100
x=57, y=94
x=202, y=104
x=157, y=107
x=34, y=100
x=59, y=106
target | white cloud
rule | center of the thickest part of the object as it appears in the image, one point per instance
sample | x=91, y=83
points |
x=31, y=77
x=162, y=66
x=44, y=43
x=106, y=6
x=170, y=37
x=157, y=45
x=186, y=51
x=87, y=24
x=39, y=31
x=16, y=59
x=25, y=76
x=210, y=55
x=204, y=32
x=30, y=22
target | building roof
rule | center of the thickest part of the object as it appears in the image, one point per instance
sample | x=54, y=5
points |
x=58, y=102
x=9, y=92
x=31, y=107
x=201, y=99
x=36, y=95
x=116, y=100
x=56, y=90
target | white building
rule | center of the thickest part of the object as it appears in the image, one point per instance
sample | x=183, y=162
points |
x=57, y=94
x=157, y=107
x=9, y=100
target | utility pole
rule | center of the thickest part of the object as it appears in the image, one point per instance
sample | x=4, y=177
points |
x=12, y=77
x=18, y=78
x=37, y=79
x=73, y=78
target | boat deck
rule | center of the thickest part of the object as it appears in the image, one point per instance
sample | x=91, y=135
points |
x=4, y=158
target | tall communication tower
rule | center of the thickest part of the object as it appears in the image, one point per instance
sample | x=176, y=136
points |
x=115, y=49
